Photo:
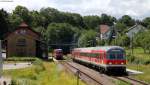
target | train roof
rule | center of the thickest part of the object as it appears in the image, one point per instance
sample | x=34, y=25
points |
x=58, y=49
x=105, y=48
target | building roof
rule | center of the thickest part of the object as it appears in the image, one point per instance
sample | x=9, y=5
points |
x=134, y=30
x=23, y=25
x=104, y=29
x=136, y=25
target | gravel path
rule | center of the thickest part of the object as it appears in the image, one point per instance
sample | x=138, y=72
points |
x=16, y=66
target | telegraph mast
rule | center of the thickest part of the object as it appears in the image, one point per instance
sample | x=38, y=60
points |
x=1, y=59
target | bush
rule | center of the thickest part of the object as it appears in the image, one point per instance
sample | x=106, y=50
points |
x=146, y=62
x=29, y=59
x=38, y=66
x=136, y=60
x=14, y=82
x=130, y=58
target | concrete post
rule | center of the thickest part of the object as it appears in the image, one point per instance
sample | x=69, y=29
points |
x=1, y=59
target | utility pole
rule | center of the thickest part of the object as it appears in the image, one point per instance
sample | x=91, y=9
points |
x=78, y=74
x=132, y=43
x=1, y=59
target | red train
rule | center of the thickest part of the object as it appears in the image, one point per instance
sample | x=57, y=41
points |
x=106, y=58
x=58, y=54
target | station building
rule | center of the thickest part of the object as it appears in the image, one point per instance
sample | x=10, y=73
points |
x=25, y=42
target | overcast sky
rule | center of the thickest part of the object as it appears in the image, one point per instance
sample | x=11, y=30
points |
x=138, y=9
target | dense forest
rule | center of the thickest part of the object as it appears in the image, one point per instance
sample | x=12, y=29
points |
x=72, y=29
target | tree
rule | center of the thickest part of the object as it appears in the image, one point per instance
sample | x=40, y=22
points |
x=4, y=23
x=23, y=13
x=37, y=19
x=15, y=21
x=50, y=15
x=127, y=20
x=120, y=27
x=91, y=22
x=121, y=40
x=146, y=22
x=108, y=20
x=74, y=19
x=87, y=39
x=59, y=33
x=41, y=30
x=143, y=40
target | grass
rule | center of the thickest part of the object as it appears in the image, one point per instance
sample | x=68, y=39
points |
x=20, y=59
x=51, y=74
x=144, y=68
x=139, y=53
x=118, y=82
x=142, y=59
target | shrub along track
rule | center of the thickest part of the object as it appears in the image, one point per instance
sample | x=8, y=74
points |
x=92, y=77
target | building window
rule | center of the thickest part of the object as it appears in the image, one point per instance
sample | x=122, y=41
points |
x=21, y=42
x=23, y=32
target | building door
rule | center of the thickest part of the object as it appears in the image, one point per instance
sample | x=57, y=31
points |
x=21, y=47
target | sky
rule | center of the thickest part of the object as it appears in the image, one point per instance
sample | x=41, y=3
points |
x=138, y=9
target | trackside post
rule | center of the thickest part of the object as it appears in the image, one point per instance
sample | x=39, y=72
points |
x=1, y=59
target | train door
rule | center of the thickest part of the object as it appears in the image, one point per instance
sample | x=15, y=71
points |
x=101, y=57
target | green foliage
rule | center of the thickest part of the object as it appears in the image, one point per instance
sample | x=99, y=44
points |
x=38, y=20
x=4, y=23
x=15, y=21
x=143, y=40
x=87, y=39
x=127, y=20
x=21, y=59
x=59, y=33
x=63, y=27
x=146, y=22
x=138, y=56
x=108, y=20
x=14, y=82
x=91, y=22
x=39, y=67
x=121, y=27
x=119, y=82
x=23, y=13
x=72, y=18
x=130, y=58
x=121, y=40
x=42, y=31
x=52, y=75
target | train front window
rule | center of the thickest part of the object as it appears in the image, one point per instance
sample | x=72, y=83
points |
x=116, y=55
x=112, y=56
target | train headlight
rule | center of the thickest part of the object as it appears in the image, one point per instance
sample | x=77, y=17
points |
x=122, y=63
x=110, y=63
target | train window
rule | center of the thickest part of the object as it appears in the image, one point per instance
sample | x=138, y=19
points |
x=112, y=56
x=120, y=56
x=116, y=55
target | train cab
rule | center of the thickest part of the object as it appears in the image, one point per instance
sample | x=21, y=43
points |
x=58, y=54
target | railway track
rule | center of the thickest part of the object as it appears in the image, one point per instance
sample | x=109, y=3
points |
x=92, y=77
x=82, y=75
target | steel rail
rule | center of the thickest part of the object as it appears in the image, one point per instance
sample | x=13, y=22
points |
x=84, y=74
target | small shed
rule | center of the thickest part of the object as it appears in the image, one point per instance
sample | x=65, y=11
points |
x=26, y=42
